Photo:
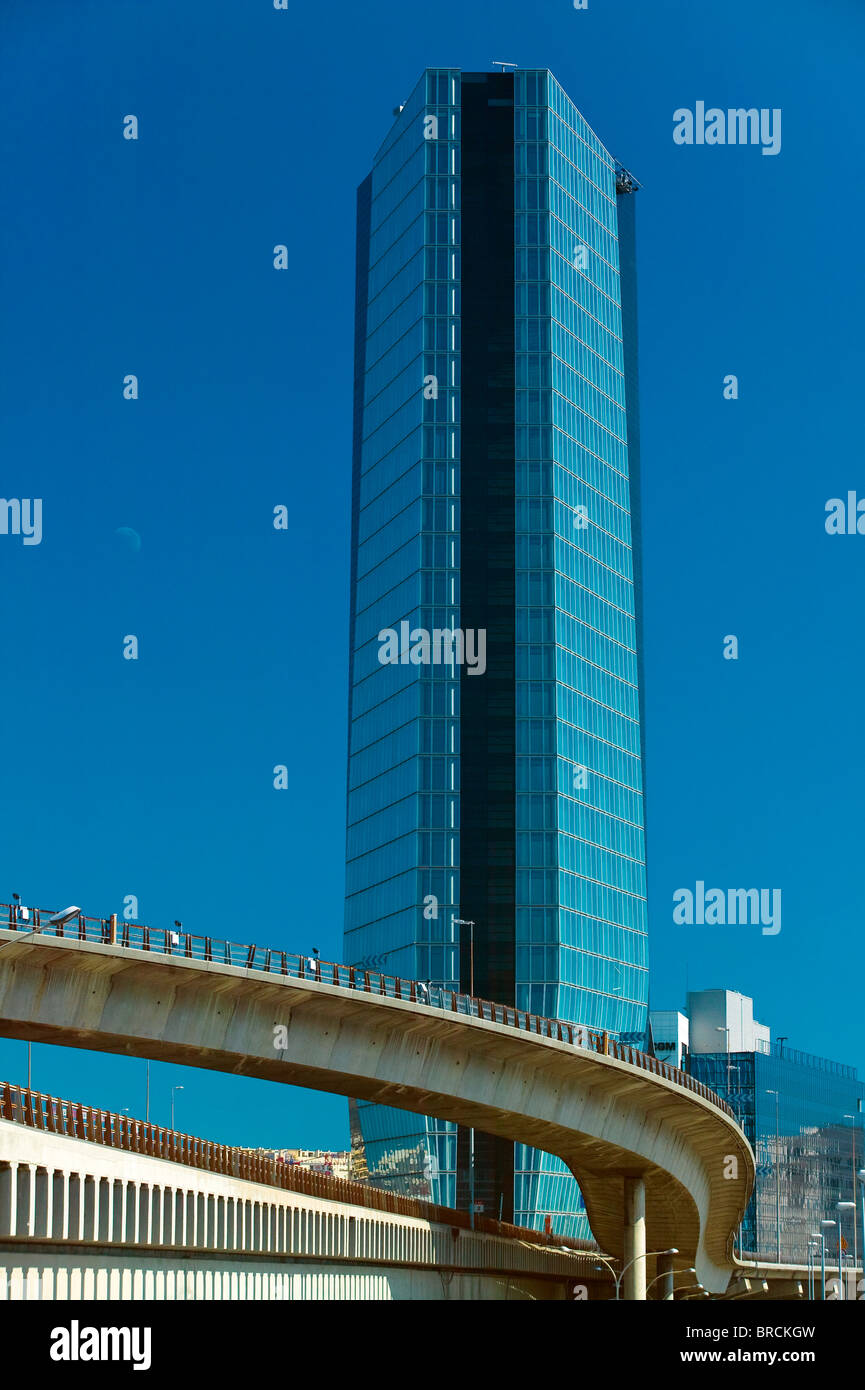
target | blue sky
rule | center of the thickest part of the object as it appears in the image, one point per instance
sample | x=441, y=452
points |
x=155, y=257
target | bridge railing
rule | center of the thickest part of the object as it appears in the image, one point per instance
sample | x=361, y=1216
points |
x=55, y=1116
x=166, y=942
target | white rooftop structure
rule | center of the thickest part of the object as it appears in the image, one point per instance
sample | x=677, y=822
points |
x=722, y=1020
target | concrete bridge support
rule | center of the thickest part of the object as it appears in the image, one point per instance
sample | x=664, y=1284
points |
x=664, y=1274
x=634, y=1268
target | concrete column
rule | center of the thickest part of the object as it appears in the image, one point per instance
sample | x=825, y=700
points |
x=104, y=1196
x=28, y=1205
x=634, y=1280
x=59, y=1204
x=170, y=1204
x=90, y=1204
x=42, y=1205
x=156, y=1214
x=665, y=1280
x=9, y=1198
x=75, y=1218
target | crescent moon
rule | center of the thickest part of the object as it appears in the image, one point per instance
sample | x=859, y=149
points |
x=129, y=537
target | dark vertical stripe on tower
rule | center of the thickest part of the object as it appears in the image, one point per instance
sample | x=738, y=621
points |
x=361, y=297
x=487, y=578
x=626, y=203
x=361, y=292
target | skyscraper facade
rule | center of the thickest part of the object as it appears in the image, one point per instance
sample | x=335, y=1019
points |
x=495, y=753
x=803, y=1116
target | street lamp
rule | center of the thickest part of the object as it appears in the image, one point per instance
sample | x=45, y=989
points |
x=607, y=1264
x=663, y=1275
x=827, y=1224
x=672, y=1251
x=719, y=1028
x=855, y=1222
x=815, y=1236
x=459, y=922
x=23, y=914
x=839, y=1207
x=173, y=1089
x=777, y=1178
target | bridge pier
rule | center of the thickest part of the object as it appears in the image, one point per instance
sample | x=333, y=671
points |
x=634, y=1276
x=664, y=1272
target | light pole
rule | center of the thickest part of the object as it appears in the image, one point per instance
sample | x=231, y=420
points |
x=24, y=918
x=147, y=1095
x=460, y=923
x=663, y=1275
x=645, y=1255
x=815, y=1236
x=777, y=1179
x=720, y=1029
x=173, y=1089
x=855, y=1222
x=839, y=1207
x=814, y=1244
x=58, y=919
x=827, y=1224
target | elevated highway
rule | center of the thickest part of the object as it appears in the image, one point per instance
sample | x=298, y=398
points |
x=661, y=1160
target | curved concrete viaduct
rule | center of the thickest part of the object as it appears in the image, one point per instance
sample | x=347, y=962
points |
x=656, y=1162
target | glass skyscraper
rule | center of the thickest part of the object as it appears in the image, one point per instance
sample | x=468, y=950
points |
x=803, y=1119
x=495, y=775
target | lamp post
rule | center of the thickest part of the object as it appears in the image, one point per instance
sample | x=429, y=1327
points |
x=663, y=1275
x=461, y=923
x=719, y=1028
x=813, y=1245
x=839, y=1207
x=645, y=1255
x=173, y=1089
x=815, y=1236
x=853, y=1194
x=22, y=914
x=827, y=1224
x=777, y=1179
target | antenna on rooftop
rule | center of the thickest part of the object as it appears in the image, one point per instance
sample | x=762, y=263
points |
x=497, y=63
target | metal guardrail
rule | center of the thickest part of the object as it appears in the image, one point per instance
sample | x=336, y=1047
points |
x=55, y=1116
x=165, y=942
